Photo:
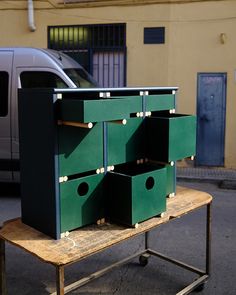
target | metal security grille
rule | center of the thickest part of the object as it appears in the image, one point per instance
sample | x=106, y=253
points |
x=100, y=49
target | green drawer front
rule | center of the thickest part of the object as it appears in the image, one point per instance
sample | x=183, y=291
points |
x=135, y=102
x=80, y=149
x=99, y=110
x=170, y=179
x=81, y=202
x=182, y=130
x=148, y=195
x=125, y=142
x=160, y=102
x=171, y=138
x=135, y=198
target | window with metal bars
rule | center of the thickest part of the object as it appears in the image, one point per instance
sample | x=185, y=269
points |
x=99, y=48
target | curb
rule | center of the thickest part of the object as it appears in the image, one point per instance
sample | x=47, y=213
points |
x=223, y=184
x=228, y=184
x=198, y=179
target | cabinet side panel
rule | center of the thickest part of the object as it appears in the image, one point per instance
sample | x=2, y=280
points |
x=38, y=157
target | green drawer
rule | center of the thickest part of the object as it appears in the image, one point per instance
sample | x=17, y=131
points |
x=170, y=180
x=125, y=142
x=99, y=110
x=160, y=102
x=136, y=193
x=81, y=202
x=80, y=149
x=171, y=138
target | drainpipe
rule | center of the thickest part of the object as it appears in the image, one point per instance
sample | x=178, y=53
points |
x=32, y=26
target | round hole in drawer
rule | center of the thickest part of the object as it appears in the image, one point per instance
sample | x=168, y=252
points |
x=83, y=189
x=150, y=183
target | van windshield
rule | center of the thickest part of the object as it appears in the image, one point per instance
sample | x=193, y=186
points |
x=81, y=78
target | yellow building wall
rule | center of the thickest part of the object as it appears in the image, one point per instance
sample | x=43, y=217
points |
x=192, y=44
x=146, y=64
x=195, y=47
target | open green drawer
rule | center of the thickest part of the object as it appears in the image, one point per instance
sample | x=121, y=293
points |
x=79, y=149
x=99, y=110
x=160, y=102
x=125, y=143
x=170, y=179
x=136, y=193
x=81, y=201
x=171, y=137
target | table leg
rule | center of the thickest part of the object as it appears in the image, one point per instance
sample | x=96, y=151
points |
x=3, y=289
x=60, y=280
x=208, y=240
x=147, y=239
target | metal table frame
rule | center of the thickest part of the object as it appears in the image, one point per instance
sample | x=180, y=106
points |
x=144, y=255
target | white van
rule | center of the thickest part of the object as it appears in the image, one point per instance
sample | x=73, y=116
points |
x=29, y=68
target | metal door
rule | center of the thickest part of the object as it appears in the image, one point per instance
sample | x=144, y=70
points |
x=211, y=105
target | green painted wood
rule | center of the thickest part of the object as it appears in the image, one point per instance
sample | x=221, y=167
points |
x=160, y=102
x=125, y=142
x=136, y=193
x=80, y=149
x=99, y=110
x=148, y=201
x=82, y=201
x=171, y=138
x=170, y=179
x=182, y=137
x=135, y=102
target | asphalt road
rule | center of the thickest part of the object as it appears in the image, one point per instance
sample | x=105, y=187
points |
x=183, y=239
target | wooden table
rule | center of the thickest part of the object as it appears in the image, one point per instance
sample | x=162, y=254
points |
x=92, y=239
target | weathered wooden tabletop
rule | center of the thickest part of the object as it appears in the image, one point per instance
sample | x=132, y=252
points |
x=89, y=240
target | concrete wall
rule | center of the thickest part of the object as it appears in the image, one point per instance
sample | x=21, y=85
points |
x=192, y=43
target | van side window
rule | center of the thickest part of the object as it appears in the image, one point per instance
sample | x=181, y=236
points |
x=4, y=78
x=41, y=80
